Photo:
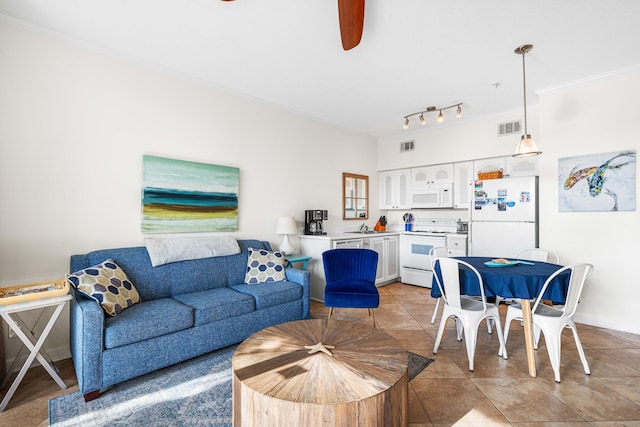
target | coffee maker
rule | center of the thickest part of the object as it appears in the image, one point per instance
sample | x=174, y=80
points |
x=313, y=222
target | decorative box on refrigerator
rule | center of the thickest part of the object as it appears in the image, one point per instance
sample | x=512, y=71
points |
x=503, y=216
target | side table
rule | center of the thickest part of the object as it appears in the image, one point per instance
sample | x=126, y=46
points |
x=10, y=313
x=291, y=258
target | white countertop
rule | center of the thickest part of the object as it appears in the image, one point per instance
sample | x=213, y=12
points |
x=347, y=235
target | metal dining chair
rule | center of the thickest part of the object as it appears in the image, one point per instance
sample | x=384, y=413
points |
x=533, y=254
x=468, y=312
x=436, y=252
x=537, y=254
x=551, y=321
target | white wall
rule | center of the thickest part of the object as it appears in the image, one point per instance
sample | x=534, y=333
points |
x=598, y=116
x=587, y=118
x=75, y=123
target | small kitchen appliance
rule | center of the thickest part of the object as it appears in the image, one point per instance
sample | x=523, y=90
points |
x=313, y=222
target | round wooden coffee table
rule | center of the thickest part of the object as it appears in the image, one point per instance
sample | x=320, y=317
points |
x=320, y=372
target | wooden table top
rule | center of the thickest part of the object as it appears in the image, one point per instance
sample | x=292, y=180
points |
x=364, y=361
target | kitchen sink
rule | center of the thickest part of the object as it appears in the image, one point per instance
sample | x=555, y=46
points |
x=366, y=232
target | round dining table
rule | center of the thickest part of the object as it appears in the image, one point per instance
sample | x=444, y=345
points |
x=519, y=279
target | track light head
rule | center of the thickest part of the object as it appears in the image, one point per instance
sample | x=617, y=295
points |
x=406, y=123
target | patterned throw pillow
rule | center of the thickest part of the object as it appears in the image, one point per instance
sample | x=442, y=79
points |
x=107, y=284
x=264, y=266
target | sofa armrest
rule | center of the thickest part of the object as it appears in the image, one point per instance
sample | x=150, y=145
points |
x=303, y=278
x=86, y=341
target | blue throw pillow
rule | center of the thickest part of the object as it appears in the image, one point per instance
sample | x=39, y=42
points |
x=107, y=284
x=264, y=266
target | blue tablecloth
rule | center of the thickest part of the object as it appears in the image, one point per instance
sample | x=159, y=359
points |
x=519, y=281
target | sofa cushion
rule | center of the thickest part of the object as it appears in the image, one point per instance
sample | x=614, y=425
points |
x=151, y=282
x=146, y=320
x=107, y=284
x=217, y=304
x=272, y=294
x=264, y=266
x=198, y=275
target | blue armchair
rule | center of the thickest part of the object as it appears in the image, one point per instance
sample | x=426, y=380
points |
x=350, y=276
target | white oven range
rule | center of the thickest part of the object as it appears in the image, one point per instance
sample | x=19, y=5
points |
x=415, y=263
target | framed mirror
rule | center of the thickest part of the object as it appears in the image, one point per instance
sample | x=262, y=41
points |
x=355, y=196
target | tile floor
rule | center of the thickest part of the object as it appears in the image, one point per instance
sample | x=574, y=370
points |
x=498, y=392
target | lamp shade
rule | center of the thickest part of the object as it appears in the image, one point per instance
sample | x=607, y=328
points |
x=286, y=225
x=527, y=147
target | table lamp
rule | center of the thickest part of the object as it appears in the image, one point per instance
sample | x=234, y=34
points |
x=286, y=225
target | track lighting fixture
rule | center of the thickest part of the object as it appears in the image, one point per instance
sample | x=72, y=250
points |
x=527, y=146
x=431, y=110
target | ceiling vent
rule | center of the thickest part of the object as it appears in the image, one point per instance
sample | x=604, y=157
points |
x=407, y=146
x=508, y=128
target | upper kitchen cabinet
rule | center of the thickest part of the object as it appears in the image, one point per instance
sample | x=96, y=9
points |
x=522, y=166
x=462, y=175
x=433, y=174
x=394, y=189
x=489, y=165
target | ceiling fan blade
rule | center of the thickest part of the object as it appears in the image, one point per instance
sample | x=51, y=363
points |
x=351, y=16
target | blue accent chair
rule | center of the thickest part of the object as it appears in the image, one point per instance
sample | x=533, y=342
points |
x=350, y=276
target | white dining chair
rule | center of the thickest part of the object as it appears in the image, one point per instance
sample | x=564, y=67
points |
x=537, y=254
x=436, y=252
x=467, y=312
x=551, y=321
x=533, y=254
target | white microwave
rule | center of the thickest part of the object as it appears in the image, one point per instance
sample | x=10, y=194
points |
x=432, y=196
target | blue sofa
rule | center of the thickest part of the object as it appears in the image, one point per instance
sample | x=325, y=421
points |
x=188, y=308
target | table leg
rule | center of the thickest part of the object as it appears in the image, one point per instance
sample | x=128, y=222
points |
x=35, y=353
x=528, y=335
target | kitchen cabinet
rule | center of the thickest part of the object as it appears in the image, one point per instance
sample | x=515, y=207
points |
x=432, y=174
x=462, y=175
x=456, y=245
x=386, y=244
x=388, y=257
x=522, y=166
x=394, y=189
x=489, y=165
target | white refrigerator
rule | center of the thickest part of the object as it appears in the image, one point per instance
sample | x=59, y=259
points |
x=503, y=216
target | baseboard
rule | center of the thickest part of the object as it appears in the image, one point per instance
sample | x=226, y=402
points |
x=57, y=353
x=599, y=322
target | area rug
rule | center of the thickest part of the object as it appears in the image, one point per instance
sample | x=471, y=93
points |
x=193, y=393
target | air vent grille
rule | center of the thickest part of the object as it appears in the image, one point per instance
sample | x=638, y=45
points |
x=508, y=128
x=407, y=146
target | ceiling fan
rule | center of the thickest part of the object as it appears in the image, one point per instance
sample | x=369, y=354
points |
x=351, y=17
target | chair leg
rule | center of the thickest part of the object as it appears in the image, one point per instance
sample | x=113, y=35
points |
x=443, y=322
x=583, y=358
x=330, y=312
x=435, y=311
x=373, y=316
x=553, y=340
x=470, y=340
x=503, y=342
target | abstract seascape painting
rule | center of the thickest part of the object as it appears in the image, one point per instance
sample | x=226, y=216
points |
x=187, y=197
x=597, y=182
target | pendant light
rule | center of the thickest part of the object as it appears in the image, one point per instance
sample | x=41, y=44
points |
x=527, y=146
